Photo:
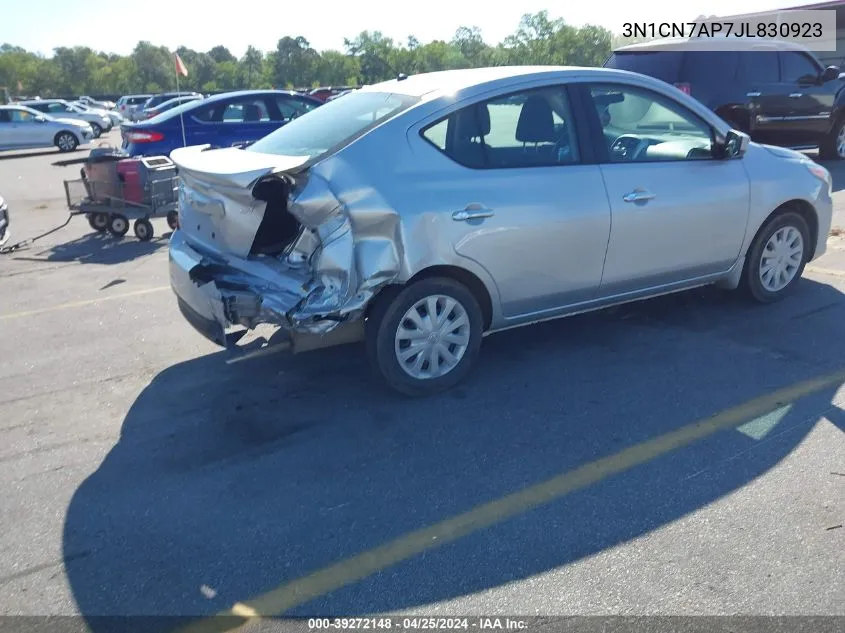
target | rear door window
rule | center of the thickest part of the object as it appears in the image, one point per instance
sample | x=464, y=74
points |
x=699, y=67
x=761, y=67
x=526, y=129
x=665, y=65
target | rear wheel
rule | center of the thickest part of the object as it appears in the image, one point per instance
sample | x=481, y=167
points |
x=98, y=221
x=425, y=338
x=66, y=142
x=143, y=230
x=118, y=225
x=173, y=220
x=776, y=258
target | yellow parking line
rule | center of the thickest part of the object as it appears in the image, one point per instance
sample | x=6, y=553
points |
x=79, y=304
x=323, y=581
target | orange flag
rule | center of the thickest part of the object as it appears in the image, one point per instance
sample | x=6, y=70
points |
x=180, y=66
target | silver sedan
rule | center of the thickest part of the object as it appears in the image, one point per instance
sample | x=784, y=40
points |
x=424, y=213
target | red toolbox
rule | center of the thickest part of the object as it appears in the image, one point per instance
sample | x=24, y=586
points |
x=139, y=177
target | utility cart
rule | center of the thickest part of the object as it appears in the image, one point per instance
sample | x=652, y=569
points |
x=114, y=189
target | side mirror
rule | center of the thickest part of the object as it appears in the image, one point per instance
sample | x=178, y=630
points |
x=41, y=119
x=735, y=144
x=830, y=73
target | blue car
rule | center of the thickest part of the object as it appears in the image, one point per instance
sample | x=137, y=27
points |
x=224, y=120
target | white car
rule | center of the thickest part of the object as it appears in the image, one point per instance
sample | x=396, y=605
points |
x=60, y=108
x=115, y=117
x=104, y=105
x=24, y=128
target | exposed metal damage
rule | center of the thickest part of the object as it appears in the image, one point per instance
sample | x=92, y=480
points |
x=276, y=244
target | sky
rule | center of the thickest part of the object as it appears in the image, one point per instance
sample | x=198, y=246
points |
x=115, y=26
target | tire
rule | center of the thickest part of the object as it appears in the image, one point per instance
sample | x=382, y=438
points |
x=787, y=225
x=173, y=220
x=143, y=229
x=388, y=315
x=98, y=221
x=66, y=142
x=118, y=225
x=833, y=146
x=98, y=131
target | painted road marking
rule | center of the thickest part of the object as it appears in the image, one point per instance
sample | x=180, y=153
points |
x=323, y=581
x=79, y=304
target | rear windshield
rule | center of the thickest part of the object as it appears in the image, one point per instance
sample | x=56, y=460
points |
x=665, y=65
x=333, y=125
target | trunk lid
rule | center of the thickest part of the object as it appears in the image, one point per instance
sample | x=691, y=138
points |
x=217, y=209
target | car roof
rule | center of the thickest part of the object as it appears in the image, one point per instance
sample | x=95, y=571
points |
x=245, y=93
x=28, y=101
x=710, y=44
x=446, y=82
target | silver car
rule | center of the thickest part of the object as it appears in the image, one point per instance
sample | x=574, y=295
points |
x=425, y=213
x=59, y=108
x=25, y=128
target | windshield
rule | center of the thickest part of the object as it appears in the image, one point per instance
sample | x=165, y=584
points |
x=334, y=124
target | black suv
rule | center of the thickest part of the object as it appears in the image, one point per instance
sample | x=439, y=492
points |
x=778, y=92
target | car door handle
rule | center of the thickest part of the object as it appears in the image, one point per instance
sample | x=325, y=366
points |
x=795, y=95
x=639, y=195
x=472, y=212
x=753, y=94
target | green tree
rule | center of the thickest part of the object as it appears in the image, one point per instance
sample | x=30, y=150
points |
x=295, y=61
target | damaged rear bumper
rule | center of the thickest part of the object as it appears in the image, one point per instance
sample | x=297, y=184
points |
x=216, y=295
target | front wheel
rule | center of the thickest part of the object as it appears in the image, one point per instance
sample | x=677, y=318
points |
x=833, y=147
x=776, y=258
x=425, y=339
x=143, y=229
x=98, y=131
x=98, y=221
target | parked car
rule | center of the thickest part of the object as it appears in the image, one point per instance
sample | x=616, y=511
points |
x=325, y=92
x=220, y=121
x=24, y=128
x=167, y=105
x=778, y=92
x=104, y=105
x=424, y=213
x=60, y=108
x=113, y=115
x=5, y=232
x=127, y=104
x=158, y=99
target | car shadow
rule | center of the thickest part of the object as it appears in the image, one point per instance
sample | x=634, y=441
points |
x=101, y=248
x=228, y=480
x=28, y=154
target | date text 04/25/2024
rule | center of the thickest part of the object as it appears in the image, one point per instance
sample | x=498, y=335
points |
x=764, y=30
x=417, y=623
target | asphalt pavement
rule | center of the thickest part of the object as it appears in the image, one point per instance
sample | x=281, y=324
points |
x=683, y=456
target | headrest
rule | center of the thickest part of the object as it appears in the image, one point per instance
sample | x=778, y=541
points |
x=536, y=122
x=472, y=121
